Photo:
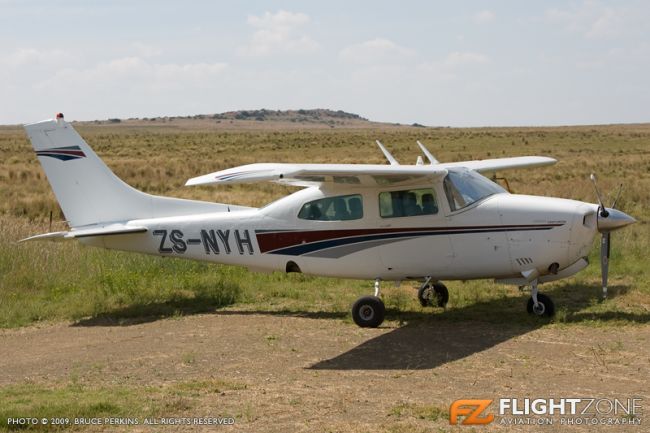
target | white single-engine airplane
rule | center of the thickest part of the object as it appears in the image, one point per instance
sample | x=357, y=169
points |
x=425, y=222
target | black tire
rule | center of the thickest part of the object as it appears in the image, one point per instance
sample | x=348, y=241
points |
x=547, y=307
x=426, y=295
x=436, y=294
x=442, y=294
x=368, y=311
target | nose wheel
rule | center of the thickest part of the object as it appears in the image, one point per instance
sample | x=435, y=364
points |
x=539, y=304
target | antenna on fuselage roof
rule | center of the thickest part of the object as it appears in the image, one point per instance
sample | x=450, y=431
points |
x=387, y=154
x=428, y=154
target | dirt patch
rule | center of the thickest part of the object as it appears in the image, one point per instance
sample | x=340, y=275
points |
x=302, y=373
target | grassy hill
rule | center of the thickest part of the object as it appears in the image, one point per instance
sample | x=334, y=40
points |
x=253, y=119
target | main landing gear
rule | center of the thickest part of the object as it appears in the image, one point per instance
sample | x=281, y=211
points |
x=369, y=311
x=433, y=294
x=539, y=304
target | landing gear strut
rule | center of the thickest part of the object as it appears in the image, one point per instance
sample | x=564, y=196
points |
x=431, y=294
x=369, y=311
x=539, y=304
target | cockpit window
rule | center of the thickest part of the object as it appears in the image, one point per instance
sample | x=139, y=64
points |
x=412, y=202
x=464, y=187
x=340, y=208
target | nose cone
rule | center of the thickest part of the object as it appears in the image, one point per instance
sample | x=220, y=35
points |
x=614, y=220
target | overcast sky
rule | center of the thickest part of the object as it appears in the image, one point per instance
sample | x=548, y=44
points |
x=468, y=63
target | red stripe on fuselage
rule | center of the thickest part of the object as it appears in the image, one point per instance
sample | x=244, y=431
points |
x=269, y=241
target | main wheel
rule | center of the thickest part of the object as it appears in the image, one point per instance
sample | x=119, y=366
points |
x=545, y=307
x=368, y=311
x=436, y=294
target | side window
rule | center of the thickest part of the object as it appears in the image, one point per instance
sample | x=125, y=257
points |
x=341, y=208
x=412, y=202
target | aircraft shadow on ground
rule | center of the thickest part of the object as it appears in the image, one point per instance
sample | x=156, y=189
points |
x=426, y=339
x=437, y=339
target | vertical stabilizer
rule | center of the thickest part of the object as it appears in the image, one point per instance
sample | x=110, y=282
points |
x=87, y=190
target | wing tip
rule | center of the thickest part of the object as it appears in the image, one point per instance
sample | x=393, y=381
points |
x=547, y=160
x=200, y=180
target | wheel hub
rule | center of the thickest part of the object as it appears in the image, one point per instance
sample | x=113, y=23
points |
x=367, y=312
x=539, y=309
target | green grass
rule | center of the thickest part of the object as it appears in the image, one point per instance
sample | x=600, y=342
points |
x=410, y=410
x=73, y=400
x=68, y=281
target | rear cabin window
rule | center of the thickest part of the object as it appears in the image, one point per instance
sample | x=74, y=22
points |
x=411, y=202
x=341, y=208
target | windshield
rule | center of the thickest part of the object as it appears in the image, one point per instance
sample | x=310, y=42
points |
x=464, y=187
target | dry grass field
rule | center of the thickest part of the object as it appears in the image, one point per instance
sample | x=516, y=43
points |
x=102, y=333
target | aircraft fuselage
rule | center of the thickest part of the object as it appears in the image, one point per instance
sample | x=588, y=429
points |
x=497, y=237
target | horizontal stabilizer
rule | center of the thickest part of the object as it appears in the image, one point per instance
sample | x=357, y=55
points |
x=113, y=229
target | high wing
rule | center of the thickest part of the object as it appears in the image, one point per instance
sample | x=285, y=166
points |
x=360, y=174
x=318, y=174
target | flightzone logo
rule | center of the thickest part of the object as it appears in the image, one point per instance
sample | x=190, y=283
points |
x=547, y=411
x=472, y=412
x=66, y=153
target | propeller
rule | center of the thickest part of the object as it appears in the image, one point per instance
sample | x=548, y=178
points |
x=609, y=219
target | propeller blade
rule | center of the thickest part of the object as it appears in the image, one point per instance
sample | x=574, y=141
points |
x=618, y=194
x=602, y=210
x=604, y=260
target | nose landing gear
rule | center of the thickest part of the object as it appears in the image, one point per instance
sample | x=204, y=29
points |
x=539, y=304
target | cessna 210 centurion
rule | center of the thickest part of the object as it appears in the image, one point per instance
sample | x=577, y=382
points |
x=427, y=222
